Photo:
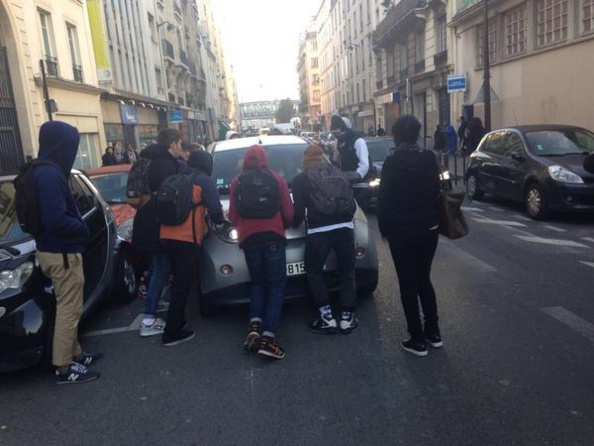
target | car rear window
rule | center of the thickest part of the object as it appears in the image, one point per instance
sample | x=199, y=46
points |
x=560, y=142
x=284, y=159
x=112, y=186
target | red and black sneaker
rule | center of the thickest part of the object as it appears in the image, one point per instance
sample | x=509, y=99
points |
x=269, y=347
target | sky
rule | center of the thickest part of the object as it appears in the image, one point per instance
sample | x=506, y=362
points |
x=261, y=41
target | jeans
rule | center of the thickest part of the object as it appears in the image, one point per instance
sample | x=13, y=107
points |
x=158, y=276
x=183, y=258
x=317, y=248
x=412, y=250
x=266, y=262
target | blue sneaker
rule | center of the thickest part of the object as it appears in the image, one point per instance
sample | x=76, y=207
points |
x=88, y=359
x=76, y=374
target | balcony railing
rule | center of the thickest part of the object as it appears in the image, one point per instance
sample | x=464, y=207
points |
x=168, y=49
x=420, y=66
x=77, y=73
x=51, y=66
x=397, y=22
x=440, y=59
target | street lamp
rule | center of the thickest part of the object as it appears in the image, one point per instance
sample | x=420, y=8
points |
x=487, y=70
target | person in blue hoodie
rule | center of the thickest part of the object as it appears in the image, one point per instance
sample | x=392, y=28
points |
x=59, y=249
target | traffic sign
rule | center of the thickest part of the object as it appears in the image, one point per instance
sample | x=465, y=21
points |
x=456, y=83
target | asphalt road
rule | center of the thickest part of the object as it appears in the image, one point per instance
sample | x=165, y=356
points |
x=517, y=366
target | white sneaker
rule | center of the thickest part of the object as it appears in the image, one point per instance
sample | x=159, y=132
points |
x=349, y=323
x=157, y=327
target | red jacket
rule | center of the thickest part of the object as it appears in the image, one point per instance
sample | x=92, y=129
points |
x=256, y=156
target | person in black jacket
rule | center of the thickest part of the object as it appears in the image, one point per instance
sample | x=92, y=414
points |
x=164, y=163
x=108, y=158
x=325, y=233
x=408, y=218
x=476, y=131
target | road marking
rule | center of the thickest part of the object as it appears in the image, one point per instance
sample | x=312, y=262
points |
x=551, y=241
x=587, y=263
x=572, y=320
x=132, y=327
x=588, y=239
x=499, y=222
x=553, y=228
x=463, y=257
x=471, y=209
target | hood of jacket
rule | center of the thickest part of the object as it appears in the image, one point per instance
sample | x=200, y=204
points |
x=255, y=156
x=58, y=142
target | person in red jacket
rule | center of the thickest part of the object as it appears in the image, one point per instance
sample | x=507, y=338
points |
x=263, y=242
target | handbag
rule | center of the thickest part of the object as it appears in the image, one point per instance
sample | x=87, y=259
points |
x=452, y=223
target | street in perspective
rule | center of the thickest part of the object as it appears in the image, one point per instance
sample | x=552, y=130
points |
x=350, y=222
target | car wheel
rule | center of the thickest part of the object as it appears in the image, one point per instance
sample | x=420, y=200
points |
x=535, y=202
x=126, y=285
x=472, y=189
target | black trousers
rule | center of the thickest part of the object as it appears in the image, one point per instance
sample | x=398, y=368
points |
x=183, y=258
x=413, y=250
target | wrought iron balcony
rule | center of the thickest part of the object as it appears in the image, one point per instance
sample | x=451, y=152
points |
x=440, y=59
x=51, y=66
x=77, y=73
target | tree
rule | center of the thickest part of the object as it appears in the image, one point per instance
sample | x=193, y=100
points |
x=285, y=111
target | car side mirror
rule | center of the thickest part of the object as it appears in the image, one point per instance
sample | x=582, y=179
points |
x=517, y=155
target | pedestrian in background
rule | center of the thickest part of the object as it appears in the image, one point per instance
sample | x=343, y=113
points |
x=181, y=243
x=108, y=159
x=262, y=239
x=439, y=139
x=352, y=149
x=380, y=130
x=407, y=216
x=327, y=229
x=476, y=131
x=462, y=133
x=130, y=155
x=117, y=153
x=59, y=249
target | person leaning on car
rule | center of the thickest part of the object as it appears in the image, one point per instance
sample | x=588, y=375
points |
x=145, y=235
x=263, y=242
x=181, y=244
x=326, y=233
x=59, y=249
x=407, y=215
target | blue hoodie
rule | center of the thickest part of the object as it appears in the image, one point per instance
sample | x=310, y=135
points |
x=63, y=228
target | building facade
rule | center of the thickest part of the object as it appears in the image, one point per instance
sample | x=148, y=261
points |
x=55, y=34
x=309, y=82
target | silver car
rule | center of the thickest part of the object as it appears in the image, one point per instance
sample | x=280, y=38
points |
x=224, y=276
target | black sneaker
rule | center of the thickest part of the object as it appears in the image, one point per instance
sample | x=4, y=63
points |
x=169, y=340
x=252, y=339
x=416, y=348
x=434, y=340
x=76, y=374
x=88, y=359
x=269, y=347
x=349, y=323
x=323, y=325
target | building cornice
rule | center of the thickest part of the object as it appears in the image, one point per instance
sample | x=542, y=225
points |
x=65, y=84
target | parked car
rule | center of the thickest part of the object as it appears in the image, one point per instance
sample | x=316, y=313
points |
x=27, y=302
x=224, y=277
x=539, y=165
x=130, y=263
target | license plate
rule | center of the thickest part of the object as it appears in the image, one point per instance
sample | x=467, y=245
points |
x=295, y=269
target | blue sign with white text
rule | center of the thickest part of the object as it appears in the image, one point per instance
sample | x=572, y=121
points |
x=176, y=116
x=456, y=83
x=129, y=114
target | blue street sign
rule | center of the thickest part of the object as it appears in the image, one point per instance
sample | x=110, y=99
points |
x=176, y=116
x=129, y=114
x=456, y=83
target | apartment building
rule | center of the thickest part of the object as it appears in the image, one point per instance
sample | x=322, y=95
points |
x=55, y=33
x=541, y=58
x=309, y=81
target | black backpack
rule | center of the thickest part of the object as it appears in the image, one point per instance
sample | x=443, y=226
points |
x=26, y=199
x=330, y=192
x=174, y=199
x=257, y=193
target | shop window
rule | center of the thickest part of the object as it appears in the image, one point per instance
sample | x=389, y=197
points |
x=87, y=155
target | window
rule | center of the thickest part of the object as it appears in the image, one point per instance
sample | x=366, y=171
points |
x=515, y=31
x=441, y=34
x=47, y=34
x=492, y=41
x=82, y=196
x=495, y=144
x=87, y=148
x=551, y=21
x=74, y=48
x=364, y=90
x=403, y=56
x=314, y=62
x=151, y=21
x=419, y=46
x=316, y=95
x=389, y=63
x=587, y=16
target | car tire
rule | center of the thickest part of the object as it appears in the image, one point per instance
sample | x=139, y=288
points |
x=535, y=202
x=126, y=285
x=473, y=192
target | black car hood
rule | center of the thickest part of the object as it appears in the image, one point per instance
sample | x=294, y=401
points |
x=575, y=163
